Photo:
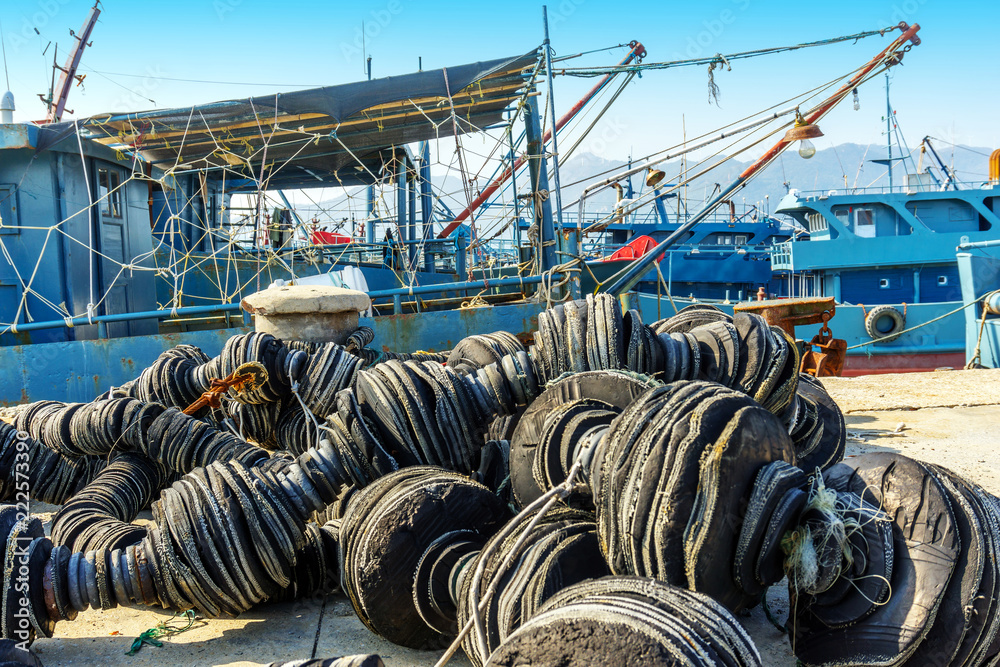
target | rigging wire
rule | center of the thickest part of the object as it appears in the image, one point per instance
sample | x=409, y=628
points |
x=125, y=88
x=638, y=203
x=960, y=146
x=205, y=81
x=717, y=59
x=805, y=96
x=587, y=53
x=566, y=155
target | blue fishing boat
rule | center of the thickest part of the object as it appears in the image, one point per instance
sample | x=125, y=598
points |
x=126, y=234
x=979, y=276
x=113, y=222
x=886, y=254
x=726, y=257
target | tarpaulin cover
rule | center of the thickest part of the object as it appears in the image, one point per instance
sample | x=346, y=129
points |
x=307, y=137
x=635, y=249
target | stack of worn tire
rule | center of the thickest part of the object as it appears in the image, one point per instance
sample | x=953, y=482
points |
x=700, y=342
x=916, y=582
x=666, y=476
x=625, y=620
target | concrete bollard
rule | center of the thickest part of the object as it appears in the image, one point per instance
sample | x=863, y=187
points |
x=312, y=313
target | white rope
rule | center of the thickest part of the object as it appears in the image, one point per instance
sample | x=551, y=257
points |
x=305, y=408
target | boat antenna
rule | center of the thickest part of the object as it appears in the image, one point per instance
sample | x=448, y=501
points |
x=888, y=128
x=3, y=44
x=364, y=53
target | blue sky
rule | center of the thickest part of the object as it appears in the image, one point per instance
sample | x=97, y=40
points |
x=947, y=87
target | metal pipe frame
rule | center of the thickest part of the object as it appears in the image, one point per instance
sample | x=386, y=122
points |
x=70, y=323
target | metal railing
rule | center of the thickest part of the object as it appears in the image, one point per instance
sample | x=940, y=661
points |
x=902, y=188
x=103, y=320
x=396, y=294
x=781, y=256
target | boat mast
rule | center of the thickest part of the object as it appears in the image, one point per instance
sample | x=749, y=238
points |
x=370, y=191
x=636, y=53
x=545, y=256
x=58, y=103
x=550, y=75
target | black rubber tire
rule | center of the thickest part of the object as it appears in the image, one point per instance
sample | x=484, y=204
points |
x=898, y=323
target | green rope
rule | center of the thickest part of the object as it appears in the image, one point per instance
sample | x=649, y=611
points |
x=162, y=629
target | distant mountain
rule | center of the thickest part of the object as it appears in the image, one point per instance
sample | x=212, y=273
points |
x=824, y=171
x=827, y=170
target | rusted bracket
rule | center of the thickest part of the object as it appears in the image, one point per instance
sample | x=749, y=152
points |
x=787, y=314
x=246, y=377
x=790, y=313
x=828, y=360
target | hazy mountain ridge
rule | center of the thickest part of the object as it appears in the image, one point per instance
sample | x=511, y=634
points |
x=825, y=171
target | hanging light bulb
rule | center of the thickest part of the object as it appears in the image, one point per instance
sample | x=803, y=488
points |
x=802, y=132
x=857, y=102
x=806, y=149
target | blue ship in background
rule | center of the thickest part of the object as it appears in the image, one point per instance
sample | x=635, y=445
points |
x=125, y=234
x=726, y=257
x=887, y=255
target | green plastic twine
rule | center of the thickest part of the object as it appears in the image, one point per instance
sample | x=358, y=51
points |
x=162, y=629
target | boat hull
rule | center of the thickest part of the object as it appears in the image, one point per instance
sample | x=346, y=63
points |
x=857, y=365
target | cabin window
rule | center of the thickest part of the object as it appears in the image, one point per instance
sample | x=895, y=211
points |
x=740, y=239
x=959, y=213
x=942, y=280
x=724, y=239
x=883, y=283
x=817, y=223
x=864, y=223
x=109, y=192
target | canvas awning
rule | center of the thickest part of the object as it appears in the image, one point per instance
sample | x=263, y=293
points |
x=336, y=135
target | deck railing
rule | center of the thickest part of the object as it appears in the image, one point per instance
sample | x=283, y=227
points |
x=781, y=257
x=901, y=188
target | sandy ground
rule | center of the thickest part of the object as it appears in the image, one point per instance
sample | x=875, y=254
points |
x=946, y=417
